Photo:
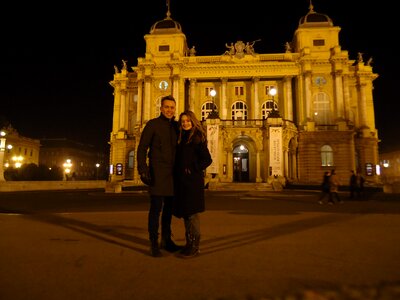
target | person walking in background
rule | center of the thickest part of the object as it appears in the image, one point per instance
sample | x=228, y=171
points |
x=334, y=188
x=158, y=143
x=353, y=185
x=325, y=188
x=192, y=158
x=360, y=183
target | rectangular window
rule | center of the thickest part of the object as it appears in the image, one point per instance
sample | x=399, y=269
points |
x=319, y=42
x=268, y=88
x=239, y=91
x=163, y=48
x=207, y=91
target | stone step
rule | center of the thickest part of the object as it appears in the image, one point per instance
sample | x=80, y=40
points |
x=240, y=186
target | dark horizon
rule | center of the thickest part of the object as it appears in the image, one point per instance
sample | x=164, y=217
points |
x=56, y=67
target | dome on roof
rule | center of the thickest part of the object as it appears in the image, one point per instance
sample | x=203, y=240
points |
x=166, y=26
x=313, y=18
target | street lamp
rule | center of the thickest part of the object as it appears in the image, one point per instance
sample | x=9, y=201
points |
x=213, y=114
x=272, y=92
x=17, y=161
x=67, y=167
x=2, y=150
x=273, y=113
x=97, y=171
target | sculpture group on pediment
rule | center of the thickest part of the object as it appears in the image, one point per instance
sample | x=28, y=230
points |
x=239, y=49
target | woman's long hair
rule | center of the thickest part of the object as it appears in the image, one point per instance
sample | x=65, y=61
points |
x=197, y=129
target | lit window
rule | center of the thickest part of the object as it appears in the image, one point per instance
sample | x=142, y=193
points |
x=207, y=91
x=131, y=159
x=266, y=108
x=322, y=113
x=239, y=111
x=268, y=88
x=326, y=156
x=206, y=109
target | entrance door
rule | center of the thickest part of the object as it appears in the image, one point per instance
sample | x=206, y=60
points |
x=240, y=164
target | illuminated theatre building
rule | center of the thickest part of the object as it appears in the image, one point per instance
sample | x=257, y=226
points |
x=321, y=117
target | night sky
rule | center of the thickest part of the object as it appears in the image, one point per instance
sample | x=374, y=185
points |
x=56, y=61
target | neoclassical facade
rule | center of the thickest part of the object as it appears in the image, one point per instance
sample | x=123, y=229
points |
x=290, y=115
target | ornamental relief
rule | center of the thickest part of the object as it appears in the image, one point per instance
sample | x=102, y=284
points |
x=231, y=135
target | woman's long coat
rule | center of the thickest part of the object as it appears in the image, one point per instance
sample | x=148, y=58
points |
x=158, y=143
x=191, y=161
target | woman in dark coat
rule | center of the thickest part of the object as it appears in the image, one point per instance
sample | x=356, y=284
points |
x=192, y=158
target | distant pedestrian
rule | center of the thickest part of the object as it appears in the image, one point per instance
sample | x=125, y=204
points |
x=324, y=187
x=334, y=188
x=353, y=185
x=356, y=185
x=360, y=184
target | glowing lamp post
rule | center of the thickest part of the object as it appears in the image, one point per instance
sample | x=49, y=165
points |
x=67, y=167
x=97, y=171
x=213, y=114
x=2, y=150
x=273, y=113
x=17, y=161
x=272, y=92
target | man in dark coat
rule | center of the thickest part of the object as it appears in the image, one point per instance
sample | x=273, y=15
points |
x=158, y=143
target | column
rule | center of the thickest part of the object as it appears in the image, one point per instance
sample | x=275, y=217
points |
x=122, y=109
x=230, y=166
x=339, y=96
x=256, y=106
x=285, y=162
x=147, y=99
x=192, y=96
x=139, y=103
x=117, y=104
x=224, y=112
x=308, y=95
x=258, y=167
x=346, y=95
x=288, y=99
x=362, y=106
x=175, y=92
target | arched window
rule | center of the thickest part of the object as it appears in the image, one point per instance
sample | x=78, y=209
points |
x=266, y=108
x=239, y=111
x=322, y=112
x=326, y=156
x=131, y=157
x=206, y=109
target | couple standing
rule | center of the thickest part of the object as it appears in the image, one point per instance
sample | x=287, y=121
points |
x=177, y=157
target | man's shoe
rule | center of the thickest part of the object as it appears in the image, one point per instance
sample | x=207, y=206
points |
x=154, y=249
x=170, y=246
x=190, y=252
x=155, y=252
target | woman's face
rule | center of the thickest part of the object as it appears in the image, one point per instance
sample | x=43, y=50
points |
x=186, y=123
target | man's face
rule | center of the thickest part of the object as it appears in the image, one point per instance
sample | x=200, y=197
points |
x=168, y=108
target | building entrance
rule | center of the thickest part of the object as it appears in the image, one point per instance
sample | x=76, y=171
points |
x=240, y=164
